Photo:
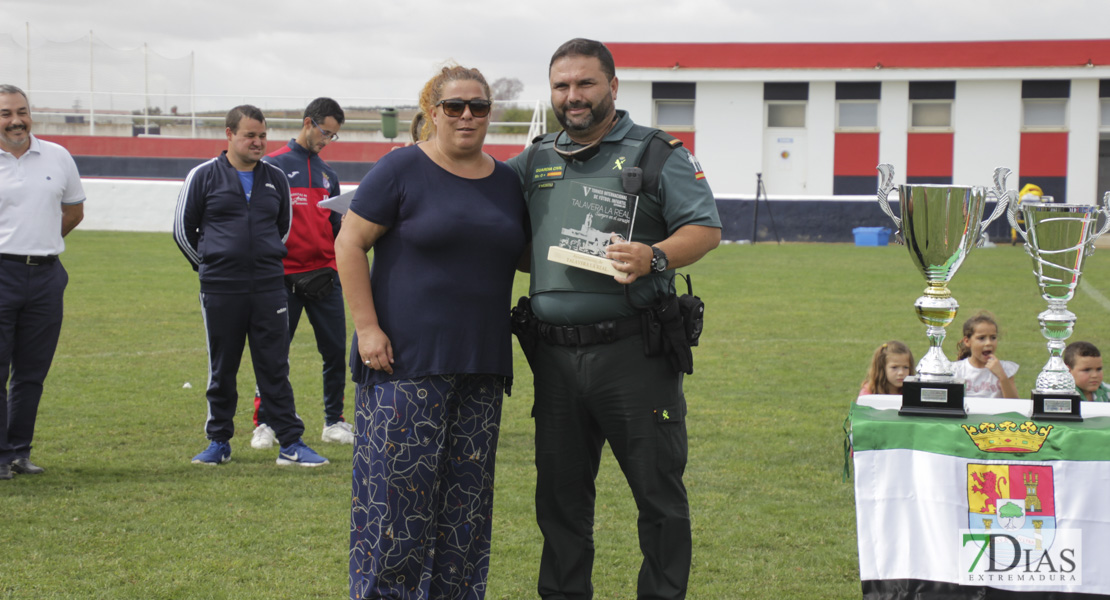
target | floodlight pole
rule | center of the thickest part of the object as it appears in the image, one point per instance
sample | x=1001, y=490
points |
x=146, y=91
x=28, y=23
x=193, y=91
x=92, y=87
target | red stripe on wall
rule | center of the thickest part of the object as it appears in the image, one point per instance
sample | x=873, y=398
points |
x=156, y=147
x=855, y=154
x=1044, y=155
x=148, y=147
x=912, y=55
x=929, y=154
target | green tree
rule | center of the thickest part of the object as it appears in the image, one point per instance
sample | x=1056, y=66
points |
x=515, y=115
x=1010, y=511
x=506, y=89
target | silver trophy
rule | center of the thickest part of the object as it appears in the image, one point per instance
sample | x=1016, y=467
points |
x=939, y=224
x=1058, y=237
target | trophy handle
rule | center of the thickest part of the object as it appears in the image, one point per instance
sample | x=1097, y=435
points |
x=886, y=185
x=1105, y=223
x=1000, y=175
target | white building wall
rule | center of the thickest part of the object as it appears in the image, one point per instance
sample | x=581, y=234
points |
x=728, y=120
x=821, y=128
x=1083, y=124
x=894, y=122
x=987, y=122
x=635, y=97
x=134, y=204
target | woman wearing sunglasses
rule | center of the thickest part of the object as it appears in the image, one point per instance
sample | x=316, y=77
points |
x=432, y=353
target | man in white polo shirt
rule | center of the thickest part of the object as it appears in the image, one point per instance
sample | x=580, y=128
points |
x=41, y=200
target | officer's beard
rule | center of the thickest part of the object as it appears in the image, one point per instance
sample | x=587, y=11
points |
x=597, y=115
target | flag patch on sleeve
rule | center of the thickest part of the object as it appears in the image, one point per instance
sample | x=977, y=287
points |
x=698, y=173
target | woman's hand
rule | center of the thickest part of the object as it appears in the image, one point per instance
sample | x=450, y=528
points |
x=376, y=350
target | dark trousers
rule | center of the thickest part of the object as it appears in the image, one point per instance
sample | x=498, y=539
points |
x=232, y=320
x=30, y=322
x=584, y=397
x=329, y=323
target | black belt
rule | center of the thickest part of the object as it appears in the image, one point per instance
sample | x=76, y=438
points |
x=34, y=261
x=604, y=332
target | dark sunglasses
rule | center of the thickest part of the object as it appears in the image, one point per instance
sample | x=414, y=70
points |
x=455, y=107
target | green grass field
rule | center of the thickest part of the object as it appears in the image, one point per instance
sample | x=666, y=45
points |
x=121, y=513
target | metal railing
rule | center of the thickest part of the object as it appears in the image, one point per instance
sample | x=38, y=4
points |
x=128, y=114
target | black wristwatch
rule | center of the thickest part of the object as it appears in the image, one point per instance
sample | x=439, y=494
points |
x=658, y=260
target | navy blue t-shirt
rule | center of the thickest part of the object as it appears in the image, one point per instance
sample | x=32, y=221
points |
x=442, y=274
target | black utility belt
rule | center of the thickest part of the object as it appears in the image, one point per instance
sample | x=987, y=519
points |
x=604, y=332
x=34, y=261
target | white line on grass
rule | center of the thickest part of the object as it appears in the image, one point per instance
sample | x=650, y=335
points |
x=1093, y=292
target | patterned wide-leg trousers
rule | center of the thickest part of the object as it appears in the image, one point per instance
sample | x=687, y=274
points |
x=422, y=490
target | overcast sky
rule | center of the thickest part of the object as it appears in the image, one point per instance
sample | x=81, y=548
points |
x=386, y=50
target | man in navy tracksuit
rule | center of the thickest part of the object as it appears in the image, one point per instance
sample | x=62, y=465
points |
x=231, y=222
x=311, y=278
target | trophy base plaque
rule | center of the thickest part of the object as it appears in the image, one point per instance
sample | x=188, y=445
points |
x=1056, y=407
x=932, y=398
x=590, y=262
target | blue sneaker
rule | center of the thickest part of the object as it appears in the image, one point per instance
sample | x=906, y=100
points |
x=217, y=453
x=298, y=453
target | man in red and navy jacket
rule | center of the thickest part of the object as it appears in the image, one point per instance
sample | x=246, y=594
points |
x=311, y=245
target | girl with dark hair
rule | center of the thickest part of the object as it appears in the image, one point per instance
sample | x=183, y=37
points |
x=984, y=374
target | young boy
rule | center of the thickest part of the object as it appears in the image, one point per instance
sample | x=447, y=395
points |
x=1085, y=363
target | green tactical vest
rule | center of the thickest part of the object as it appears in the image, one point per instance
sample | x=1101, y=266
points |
x=568, y=295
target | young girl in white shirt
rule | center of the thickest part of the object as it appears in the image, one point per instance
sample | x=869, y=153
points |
x=984, y=374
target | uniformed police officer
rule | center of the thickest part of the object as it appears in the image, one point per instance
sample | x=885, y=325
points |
x=41, y=200
x=593, y=380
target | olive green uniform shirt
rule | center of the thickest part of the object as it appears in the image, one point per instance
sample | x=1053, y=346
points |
x=572, y=296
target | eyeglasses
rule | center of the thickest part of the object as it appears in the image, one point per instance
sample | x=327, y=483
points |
x=455, y=107
x=331, y=136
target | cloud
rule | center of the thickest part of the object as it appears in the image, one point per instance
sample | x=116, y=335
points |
x=384, y=52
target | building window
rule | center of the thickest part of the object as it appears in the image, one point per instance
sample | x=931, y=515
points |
x=1104, y=105
x=933, y=115
x=857, y=115
x=786, y=114
x=932, y=90
x=1044, y=104
x=857, y=105
x=674, y=105
x=674, y=114
x=1046, y=88
x=1045, y=114
x=931, y=105
x=785, y=91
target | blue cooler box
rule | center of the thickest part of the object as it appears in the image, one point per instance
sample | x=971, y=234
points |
x=871, y=236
